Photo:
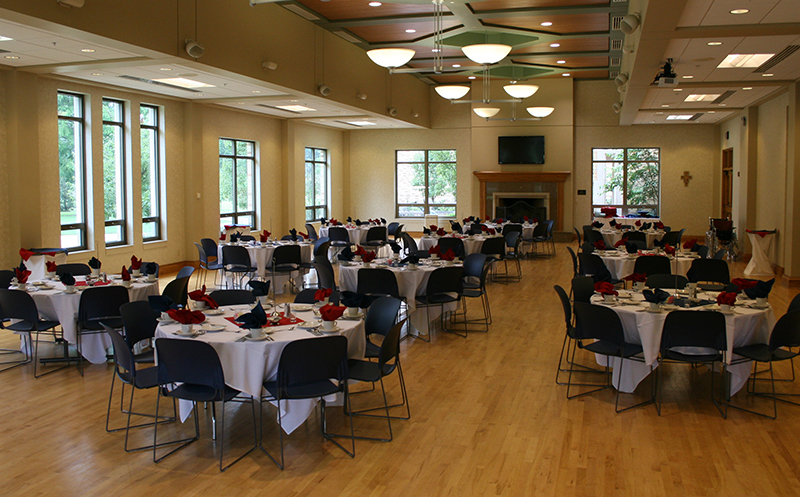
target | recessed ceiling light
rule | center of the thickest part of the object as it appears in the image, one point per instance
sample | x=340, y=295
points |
x=677, y=89
x=411, y=31
x=547, y=24
x=740, y=11
x=659, y=113
x=87, y=50
x=164, y=68
x=723, y=105
x=198, y=94
x=256, y=91
x=240, y=103
x=184, y=83
x=747, y=88
x=97, y=74
x=295, y=108
x=435, y=50
x=561, y=62
x=714, y=43
x=736, y=60
x=13, y=57
x=712, y=112
x=456, y=65
x=6, y=38
x=701, y=97
x=664, y=105
x=362, y=123
x=687, y=77
x=679, y=117
x=565, y=74
x=374, y=4
x=555, y=45
x=767, y=75
x=471, y=77
x=294, y=101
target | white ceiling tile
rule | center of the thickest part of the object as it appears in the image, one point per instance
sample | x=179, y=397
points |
x=785, y=11
x=694, y=12
x=719, y=12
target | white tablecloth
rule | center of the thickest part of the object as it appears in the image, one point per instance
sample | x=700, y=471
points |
x=36, y=264
x=261, y=257
x=56, y=305
x=759, y=264
x=471, y=245
x=612, y=236
x=409, y=283
x=744, y=327
x=358, y=234
x=620, y=265
x=527, y=229
x=248, y=364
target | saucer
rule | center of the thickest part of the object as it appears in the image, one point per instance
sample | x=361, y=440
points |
x=756, y=306
x=213, y=327
x=310, y=325
x=213, y=312
x=257, y=339
x=161, y=320
x=335, y=329
x=301, y=307
x=192, y=333
x=657, y=311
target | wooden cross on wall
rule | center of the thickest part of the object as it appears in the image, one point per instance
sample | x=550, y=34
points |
x=686, y=177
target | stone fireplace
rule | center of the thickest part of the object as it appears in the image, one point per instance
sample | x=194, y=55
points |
x=511, y=205
x=515, y=194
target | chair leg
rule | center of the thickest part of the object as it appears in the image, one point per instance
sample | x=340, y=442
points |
x=642, y=403
x=36, y=357
x=570, y=384
x=261, y=432
x=184, y=442
x=331, y=436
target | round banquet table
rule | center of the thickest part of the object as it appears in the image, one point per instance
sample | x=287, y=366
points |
x=626, y=220
x=471, y=245
x=247, y=364
x=612, y=236
x=358, y=234
x=620, y=265
x=409, y=283
x=745, y=326
x=527, y=228
x=261, y=258
x=54, y=304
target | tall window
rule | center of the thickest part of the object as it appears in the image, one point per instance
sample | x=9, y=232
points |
x=237, y=183
x=626, y=178
x=151, y=173
x=316, y=183
x=114, y=172
x=426, y=183
x=72, y=170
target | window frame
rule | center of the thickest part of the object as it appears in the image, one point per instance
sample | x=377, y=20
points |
x=82, y=190
x=315, y=164
x=235, y=157
x=155, y=157
x=123, y=174
x=426, y=205
x=625, y=207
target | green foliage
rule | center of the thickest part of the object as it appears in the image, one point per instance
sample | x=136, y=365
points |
x=642, y=185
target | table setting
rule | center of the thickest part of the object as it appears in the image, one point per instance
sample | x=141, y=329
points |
x=261, y=253
x=620, y=262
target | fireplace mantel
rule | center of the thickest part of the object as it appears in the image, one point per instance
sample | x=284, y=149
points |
x=558, y=177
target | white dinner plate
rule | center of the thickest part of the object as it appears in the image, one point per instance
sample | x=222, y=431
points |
x=212, y=327
x=335, y=329
x=162, y=320
x=257, y=339
x=213, y=312
x=756, y=306
x=301, y=307
x=310, y=325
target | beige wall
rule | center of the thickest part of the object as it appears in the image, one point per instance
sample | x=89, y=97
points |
x=771, y=177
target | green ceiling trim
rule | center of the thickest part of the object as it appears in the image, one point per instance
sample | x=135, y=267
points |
x=476, y=37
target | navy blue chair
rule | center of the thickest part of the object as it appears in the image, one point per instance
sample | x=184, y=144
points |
x=16, y=304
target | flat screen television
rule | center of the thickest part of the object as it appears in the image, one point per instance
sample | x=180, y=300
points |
x=520, y=150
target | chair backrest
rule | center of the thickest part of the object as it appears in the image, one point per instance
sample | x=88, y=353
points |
x=445, y=280
x=124, y=363
x=321, y=246
x=587, y=248
x=310, y=362
x=666, y=281
x=381, y=316
x=672, y=237
x=508, y=228
x=582, y=289
x=513, y=239
x=574, y=261
x=325, y=275
x=652, y=264
x=75, y=269
x=598, y=322
x=694, y=329
x=399, y=232
x=703, y=251
x=590, y=264
x=590, y=234
x=338, y=233
x=455, y=244
x=494, y=246
x=635, y=235
x=201, y=255
x=6, y=275
x=713, y=270
x=578, y=234
x=390, y=349
x=794, y=304
x=720, y=254
x=287, y=254
x=565, y=304
x=190, y=362
x=185, y=271
x=311, y=232
x=16, y=304
x=150, y=268
x=140, y=321
x=473, y=265
x=178, y=290
x=549, y=227
x=236, y=255
x=247, y=238
x=409, y=243
x=722, y=224
x=377, y=233
x=392, y=228
x=540, y=230
x=232, y=297
x=377, y=281
x=786, y=332
x=210, y=246
x=476, y=228
x=101, y=303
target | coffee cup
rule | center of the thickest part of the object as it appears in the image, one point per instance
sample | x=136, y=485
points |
x=328, y=325
x=357, y=258
x=725, y=308
x=136, y=272
x=164, y=316
x=367, y=264
x=151, y=277
x=761, y=301
x=638, y=286
x=255, y=332
x=126, y=283
x=69, y=289
x=22, y=286
x=448, y=263
x=200, y=304
x=655, y=306
x=51, y=274
x=608, y=298
x=352, y=312
x=186, y=329
x=96, y=271
x=412, y=266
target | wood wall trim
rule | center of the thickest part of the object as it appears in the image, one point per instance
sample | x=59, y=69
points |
x=558, y=177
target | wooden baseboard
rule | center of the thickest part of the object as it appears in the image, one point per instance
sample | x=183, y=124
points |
x=790, y=281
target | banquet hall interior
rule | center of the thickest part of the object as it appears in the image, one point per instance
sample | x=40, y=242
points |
x=197, y=91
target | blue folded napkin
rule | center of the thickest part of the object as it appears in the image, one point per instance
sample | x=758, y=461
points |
x=293, y=233
x=256, y=318
x=67, y=279
x=353, y=299
x=160, y=303
x=597, y=224
x=658, y=296
x=395, y=247
x=346, y=254
x=260, y=288
x=411, y=259
x=631, y=247
x=761, y=290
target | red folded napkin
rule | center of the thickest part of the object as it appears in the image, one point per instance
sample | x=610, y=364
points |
x=25, y=254
x=484, y=228
x=264, y=235
x=636, y=277
x=51, y=266
x=441, y=232
x=600, y=245
x=434, y=228
x=331, y=312
x=125, y=274
x=621, y=242
x=605, y=288
x=743, y=283
x=185, y=316
x=304, y=235
x=659, y=225
x=618, y=226
x=525, y=218
x=368, y=257
x=135, y=263
x=726, y=298
x=492, y=231
x=487, y=218
x=200, y=296
x=22, y=276
x=360, y=251
x=669, y=250
x=222, y=236
x=434, y=250
x=334, y=222
x=322, y=294
x=638, y=223
x=691, y=243
x=449, y=255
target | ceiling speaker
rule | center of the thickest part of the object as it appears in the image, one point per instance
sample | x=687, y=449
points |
x=393, y=111
x=621, y=79
x=194, y=49
x=71, y=3
x=324, y=90
x=629, y=23
x=617, y=106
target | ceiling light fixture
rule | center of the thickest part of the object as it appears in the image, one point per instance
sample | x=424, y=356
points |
x=714, y=43
x=521, y=91
x=665, y=105
x=555, y=45
x=97, y=74
x=767, y=75
x=471, y=77
x=547, y=24
x=165, y=69
x=6, y=38
x=452, y=92
x=561, y=62
x=740, y=11
x=687, y=77
x=736, y=61
x=486, y=53
x=184, y=82
x=566, y=74
x=374, y=4
x=295, y=108
x=486, y=112
x=390, y=58
x=12, y=57
x=679, y=117
x=540, y=112
x=411, y=31
x=87, y=50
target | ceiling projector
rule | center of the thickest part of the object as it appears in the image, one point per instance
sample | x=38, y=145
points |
x=667, y=77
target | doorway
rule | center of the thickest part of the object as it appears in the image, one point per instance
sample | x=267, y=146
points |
x=727, y=183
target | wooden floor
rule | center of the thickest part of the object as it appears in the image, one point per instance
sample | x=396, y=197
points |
x=486, y=419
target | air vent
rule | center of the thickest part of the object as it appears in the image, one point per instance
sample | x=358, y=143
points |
x=347, y=36
x=777, y=58
x=723, y=97
x=619, y=1
x=696, y=116
x=301, y=11
x=616, y=44
x=616, y=21
x=158, y=83
x=615, y=61
x=613, y=74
